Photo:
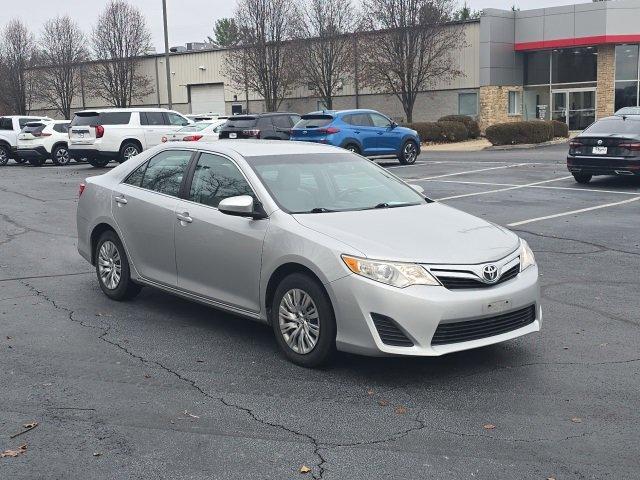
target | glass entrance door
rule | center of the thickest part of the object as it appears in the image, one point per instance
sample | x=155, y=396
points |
x=576, y=108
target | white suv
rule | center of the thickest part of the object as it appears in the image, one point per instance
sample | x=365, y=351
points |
x=120, y=133
x=10, y=127
x=41, y=140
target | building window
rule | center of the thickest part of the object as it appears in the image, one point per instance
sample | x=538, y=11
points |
x=514, y=102
x=536, y=68
x=627, y=76
x=468, y=104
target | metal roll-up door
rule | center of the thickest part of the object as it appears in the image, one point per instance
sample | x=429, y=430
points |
x=207, y=98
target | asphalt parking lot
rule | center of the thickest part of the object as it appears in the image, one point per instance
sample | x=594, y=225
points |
x=163, y=388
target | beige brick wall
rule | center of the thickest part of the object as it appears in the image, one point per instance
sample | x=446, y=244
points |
x=494, y=105
x=605, y=93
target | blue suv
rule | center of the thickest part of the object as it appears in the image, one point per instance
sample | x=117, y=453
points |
x=366, y=132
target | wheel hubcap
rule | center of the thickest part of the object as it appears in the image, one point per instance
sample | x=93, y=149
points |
x=409, y=152
x=109, y=265
x=299, y=321
x=130, y=152
x=3, y=156
x=62, y=155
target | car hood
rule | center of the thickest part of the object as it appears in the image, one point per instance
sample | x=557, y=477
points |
x=430, y=233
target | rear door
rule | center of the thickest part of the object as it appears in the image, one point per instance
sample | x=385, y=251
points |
x=144, y=209
x=156, y=127
x=360, y=124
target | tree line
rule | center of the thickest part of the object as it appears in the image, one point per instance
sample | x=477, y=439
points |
x=61, y=63
x=400, y=47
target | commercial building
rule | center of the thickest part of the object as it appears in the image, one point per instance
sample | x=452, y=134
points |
x=572, y=63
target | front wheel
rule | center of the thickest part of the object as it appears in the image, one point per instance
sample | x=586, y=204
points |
x=60, y=156
x=303, y=321
x=583, y=178
x=409, y=153
x=98, y=162
x=112, y=268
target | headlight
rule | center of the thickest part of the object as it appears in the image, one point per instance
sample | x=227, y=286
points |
x=396, y=274
x=526, y=256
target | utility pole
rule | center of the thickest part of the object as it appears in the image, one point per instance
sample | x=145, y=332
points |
x=166, y=53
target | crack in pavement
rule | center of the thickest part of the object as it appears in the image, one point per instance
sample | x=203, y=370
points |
x=55, y=275
x=6, y=218
x=602, y=248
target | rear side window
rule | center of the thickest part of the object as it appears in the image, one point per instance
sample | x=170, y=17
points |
x=358, y=119
x=615, y=125
x=314, y=121
x=165, y=171
x=264, y=123
x=152, y=118
x=6, y=123
x=61, y=127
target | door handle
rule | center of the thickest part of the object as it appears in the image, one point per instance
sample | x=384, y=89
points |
x=121, y=200
x=380, y=133
x=184, y=217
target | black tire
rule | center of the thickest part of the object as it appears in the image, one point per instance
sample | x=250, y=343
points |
x=352, y=147
x=583, y=178
x=36, y=162
x=124, y=288
x=5, y=155
x=409, y=153
x=98, y=162
x=325, y=345
x=60, y=156
x=19, y=160
x=126, y=151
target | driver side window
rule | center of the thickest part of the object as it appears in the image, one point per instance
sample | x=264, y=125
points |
x=215, y=179
x=379, y=120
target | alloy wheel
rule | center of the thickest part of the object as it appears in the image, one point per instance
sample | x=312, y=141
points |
x=62, y=156
x=109, y=265
x=129, y=152
x=4, y=156
x=410, y=152
x=299, y=321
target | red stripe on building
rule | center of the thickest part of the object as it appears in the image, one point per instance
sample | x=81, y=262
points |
x=577, y=42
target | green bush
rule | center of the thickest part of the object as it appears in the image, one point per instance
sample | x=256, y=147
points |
x=453, y=131
x=560, y=129
x=469, y=122
x=428, y=131
x=513, y=133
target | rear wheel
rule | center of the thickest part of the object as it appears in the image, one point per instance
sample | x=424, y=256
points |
x=128, y=150
x=60, y=155
x=98, y=162
x=112, y=268
x=409, y=153
x=303, y=321
x=352, y=147
x=5, y=154
x=583, y=178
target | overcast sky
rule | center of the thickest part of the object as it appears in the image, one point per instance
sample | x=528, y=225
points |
x=189, y=20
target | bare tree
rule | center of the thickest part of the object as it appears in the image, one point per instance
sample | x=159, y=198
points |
x=119, y=39
x=264, y=61
x=17, y=54
x=324, y=50
x=414, y=48
x=63, y=48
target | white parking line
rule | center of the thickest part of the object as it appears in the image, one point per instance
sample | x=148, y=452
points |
x=464, y=173
x=572, y=212
x=514, y=187
x=548, y=187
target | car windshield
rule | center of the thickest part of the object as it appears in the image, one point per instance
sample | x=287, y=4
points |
x=196, y=127
x=615, y=125
x=334, y=182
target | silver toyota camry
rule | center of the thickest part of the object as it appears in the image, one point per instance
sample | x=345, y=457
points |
x=329, y=249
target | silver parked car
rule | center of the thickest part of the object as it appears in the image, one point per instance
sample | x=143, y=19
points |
x=331, y=250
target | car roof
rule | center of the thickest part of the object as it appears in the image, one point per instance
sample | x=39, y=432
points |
x=341, y=112
x=259, y=148
x=141, y=109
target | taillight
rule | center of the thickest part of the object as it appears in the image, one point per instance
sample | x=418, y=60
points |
x=252, y=133
x=99, y=131
x=192, y=138
x=81, y=189
x=331, y=130
x=574, y=144
x=633, y=146
x=40, y=134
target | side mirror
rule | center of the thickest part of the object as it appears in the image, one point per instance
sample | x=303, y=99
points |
x=393, y=125
x=417, y=188
x=242, y=206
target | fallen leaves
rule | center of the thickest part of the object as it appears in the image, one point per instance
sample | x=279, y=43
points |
x=27, y=427
x=489, y=426
x=304, y=469
x=400, y=410
x=14, y=453
x=576, y=419
x=383, y=403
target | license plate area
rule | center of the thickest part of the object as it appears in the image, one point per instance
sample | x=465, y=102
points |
x=599, y=150
x=497, y=306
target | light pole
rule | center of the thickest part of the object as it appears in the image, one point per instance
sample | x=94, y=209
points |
x=166, y=53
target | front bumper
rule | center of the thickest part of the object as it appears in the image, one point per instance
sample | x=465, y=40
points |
x=603, y=165
x=418, y=310
x=35, y=153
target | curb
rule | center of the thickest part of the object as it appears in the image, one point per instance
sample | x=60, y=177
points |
x=525, y=146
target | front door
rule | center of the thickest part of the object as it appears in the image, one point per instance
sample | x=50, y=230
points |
x=218, y=256
x=576, y=107
x=144, y=208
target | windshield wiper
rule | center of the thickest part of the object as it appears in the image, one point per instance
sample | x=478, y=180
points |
x=316, y=210
x=391, y=205
x=382, y=205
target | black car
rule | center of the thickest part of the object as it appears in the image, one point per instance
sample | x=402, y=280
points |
x=610, y=146
x=267, y=126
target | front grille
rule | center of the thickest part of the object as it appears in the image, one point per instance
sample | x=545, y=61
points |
x=389, y=332
x=454, y=283
x=465, y=331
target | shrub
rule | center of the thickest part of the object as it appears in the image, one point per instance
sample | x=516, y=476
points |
x=453, y=131
x=469, y=122
x=428, y=131
x=512, y=133
x=560, y=129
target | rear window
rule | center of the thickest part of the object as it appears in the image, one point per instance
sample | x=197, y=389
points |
x=104, y=118
x=615, y=125
x=314, y=121
x=241, y=122
x=33, y=127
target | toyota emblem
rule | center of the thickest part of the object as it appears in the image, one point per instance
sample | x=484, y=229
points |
x=490, y=273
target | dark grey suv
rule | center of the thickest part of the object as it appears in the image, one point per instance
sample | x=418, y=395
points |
x=266, y=126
